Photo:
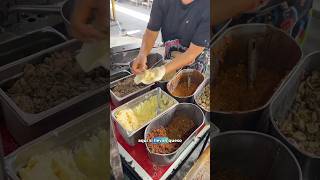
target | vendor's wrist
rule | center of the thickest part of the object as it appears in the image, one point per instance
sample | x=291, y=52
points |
x=142, y=55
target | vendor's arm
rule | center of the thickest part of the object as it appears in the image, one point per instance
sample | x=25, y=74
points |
x=225, y=9
x=185, y=58
x=140, y=62
x=149, y=37
x=80, y=26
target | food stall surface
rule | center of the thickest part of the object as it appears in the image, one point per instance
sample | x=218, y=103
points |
x=138, y=164
x=136, y=157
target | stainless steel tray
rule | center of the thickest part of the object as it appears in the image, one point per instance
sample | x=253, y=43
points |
x=281, y=52
x=281, y=105
x=118, y=75
x=198, y=93
x=68, y=135
x=32, y=42
x=117, y=101
x=25, y=126
x=198, y=78
x=189, y=109
x=132, y=137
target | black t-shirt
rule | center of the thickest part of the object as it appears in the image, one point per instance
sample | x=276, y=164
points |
x=187, y=23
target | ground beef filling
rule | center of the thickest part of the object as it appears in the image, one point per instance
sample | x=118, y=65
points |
x=179, y=128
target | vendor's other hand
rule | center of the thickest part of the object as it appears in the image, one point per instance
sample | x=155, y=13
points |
x=139, y=64
x=83, y=11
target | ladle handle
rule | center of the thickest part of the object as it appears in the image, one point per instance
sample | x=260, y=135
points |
x=252, y=61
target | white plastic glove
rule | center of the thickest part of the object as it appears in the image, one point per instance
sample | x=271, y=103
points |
x=151, y=75
x=93, y=55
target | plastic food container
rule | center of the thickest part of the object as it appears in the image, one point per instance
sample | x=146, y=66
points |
x=24, y=126
x=27, y=44
x=68, y=135
x=254, y=155
x=117, y=101
x=132, y=137
x=192, y=111
x=280, y=51
x=279, y=108
x=195, y=77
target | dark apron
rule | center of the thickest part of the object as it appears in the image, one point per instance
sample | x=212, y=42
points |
x=291, y=17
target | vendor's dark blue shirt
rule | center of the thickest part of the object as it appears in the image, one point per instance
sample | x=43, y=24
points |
x=188, y=23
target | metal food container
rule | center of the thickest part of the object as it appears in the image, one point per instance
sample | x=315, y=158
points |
x=195, y=77
x=189, y=109
x=281, y=52
x=68, y=135
x=118, y=101
x=27, y=44
x=280, y=107
x=253, y=155
x=119, y=75
x=197, y=95
x=24, y=126
x=132, y=137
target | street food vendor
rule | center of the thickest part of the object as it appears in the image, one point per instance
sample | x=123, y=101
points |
x=185, y=28
x=80, y=27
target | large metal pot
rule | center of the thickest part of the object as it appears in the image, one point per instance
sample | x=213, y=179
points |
x=280, y=51
x=254, y=155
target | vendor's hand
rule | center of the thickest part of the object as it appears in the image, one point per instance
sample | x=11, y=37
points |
x=151, y=75
x=139, y=64
x=83, y=11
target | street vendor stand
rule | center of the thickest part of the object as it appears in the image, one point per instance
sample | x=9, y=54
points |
x=135, y=160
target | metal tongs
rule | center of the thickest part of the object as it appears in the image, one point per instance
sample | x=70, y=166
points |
x=158, y=103
x=252, y=61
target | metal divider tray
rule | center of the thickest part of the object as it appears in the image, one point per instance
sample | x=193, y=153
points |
x=67, y=136
x=117, y=101
x=26, y=126
x=192, y=111
x=197, y=95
